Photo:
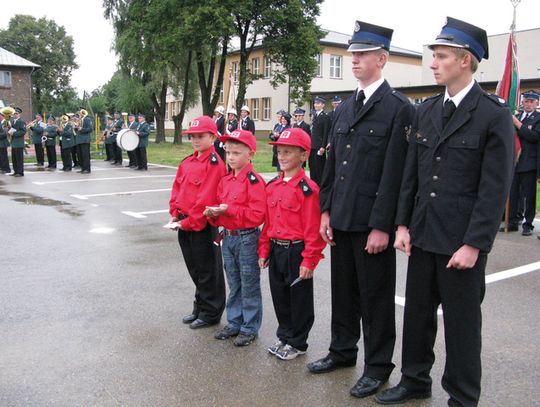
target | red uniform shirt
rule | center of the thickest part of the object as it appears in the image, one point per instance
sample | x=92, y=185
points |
x=195, y=187
x=293, y=213
x=246, y=197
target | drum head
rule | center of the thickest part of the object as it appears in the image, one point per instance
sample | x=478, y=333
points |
x=127, y=140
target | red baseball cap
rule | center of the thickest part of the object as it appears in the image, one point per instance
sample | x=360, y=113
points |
x=242, y=136
x=203, y=124
x=294, y=137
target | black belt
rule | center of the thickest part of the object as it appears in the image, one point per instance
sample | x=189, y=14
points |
x=180, y=215
x=285, y=243
x=238, y=232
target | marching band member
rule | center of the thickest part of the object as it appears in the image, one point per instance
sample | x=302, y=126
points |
x=133, y=125
x=67, y=137
x=17, y=131
x=83, y=140
x=143, y=130
x=4, y=144
x=37, y=128
x=50, y=144
x=109, y=151
x=118, y=124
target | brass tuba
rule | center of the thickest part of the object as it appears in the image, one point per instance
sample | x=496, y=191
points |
x=7, y=112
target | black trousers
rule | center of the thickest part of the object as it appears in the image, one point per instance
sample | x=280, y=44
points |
x=293, y=305
x=51, y=156
x=205, y=267
x=76, y=155
x=523, y=190
x=66, y=158
x=109, y=152
x=117, y=152
x=84, y=150
x=363, y=291
x=40, y=156
x=460, y=292
x=132, y=158
x=141, y=159
x=17, y=159
x=316, y=166
x=4, y=160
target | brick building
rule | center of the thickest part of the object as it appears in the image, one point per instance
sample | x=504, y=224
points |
x=16, y=82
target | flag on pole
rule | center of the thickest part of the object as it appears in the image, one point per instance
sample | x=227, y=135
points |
x=231, y=98
x=508, y=87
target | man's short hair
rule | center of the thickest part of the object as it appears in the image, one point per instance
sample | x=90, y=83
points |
x=461, y=52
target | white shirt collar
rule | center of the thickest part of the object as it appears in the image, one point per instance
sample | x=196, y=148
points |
x=458, y=97
x=370, y=90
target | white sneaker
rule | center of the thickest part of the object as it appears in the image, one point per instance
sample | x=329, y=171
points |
x=288, y=352
x=276, y=347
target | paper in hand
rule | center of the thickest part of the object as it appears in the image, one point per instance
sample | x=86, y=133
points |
x=296, y=281
x=172, y=225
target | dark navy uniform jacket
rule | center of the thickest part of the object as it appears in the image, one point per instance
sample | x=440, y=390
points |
x=456, y=180
x=362, y=176
x=319, y=131
x=529, y=135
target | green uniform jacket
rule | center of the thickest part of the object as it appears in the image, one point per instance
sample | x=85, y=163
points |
x=144, y=131
x=51, y=135
x=37, y=132
x=84, y=134
x=4, y=143
x=17, y=138
x=68, y=136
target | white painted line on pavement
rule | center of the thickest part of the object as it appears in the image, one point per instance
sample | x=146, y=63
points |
x=142, y=215
x=101, y=179
x=84, y=197
x=503, y=275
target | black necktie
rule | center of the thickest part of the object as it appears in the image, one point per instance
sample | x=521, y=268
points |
x=360, y=96
x=448, y=110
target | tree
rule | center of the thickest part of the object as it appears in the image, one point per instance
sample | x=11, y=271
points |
x=44, y=43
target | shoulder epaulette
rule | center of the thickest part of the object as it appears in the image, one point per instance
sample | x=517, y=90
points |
x=213, y=159
x=273, y=179
x=252, y=177
x=401, y=96
x=498, y=100
x=306, y=190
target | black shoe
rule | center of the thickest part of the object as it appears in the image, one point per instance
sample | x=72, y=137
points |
x=244, y=339
x=366, y=386
x=76, y=166
x=328, y=364
x=199, y=323
x=18, y=175
x=399, y=395
x=188, y=319
x=511, y=228
x=226, y=332
x=85, y=172
x=66, y=169
x=527, y=230
x=538, y=237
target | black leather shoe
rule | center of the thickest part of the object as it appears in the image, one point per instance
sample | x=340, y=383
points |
x=328, y=364
x=527, y=231
x=188, y=319
x=366, y=386
x=399, y=395
x=199, y=323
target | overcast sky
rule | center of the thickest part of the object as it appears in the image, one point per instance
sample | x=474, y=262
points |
x=415, y=23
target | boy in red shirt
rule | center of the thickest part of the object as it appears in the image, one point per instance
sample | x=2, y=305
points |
x=291, y=245
x=242, y=206
x=193, y=189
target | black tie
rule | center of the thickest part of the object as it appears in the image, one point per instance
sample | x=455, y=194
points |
x=448, y=110
x=360, y=96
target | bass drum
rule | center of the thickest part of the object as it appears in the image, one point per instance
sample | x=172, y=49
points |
x=127, y=140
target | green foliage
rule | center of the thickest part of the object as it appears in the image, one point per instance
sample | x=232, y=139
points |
x=45, y=43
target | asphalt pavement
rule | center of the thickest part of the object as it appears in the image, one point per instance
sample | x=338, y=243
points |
x=93, y=290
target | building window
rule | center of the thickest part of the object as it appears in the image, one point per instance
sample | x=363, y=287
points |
x=222, y=94
x=267, y=67
x=255, y=66
x=255, y=109
x=173, y=109
x=266, y=109
x=318, y=70
x=178, y=107
x=235, y=72
x=335, y=66
x=5, y=79
x=167, y=111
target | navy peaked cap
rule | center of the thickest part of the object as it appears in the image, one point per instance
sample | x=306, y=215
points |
x=369, y=37
x=459, y=34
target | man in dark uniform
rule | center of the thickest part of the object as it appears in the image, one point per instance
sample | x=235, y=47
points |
x=220, y=123
x=50, y=144
x=37, y=130
x=17, y=131
x=4, y=144
x=143, y=131
x=359, y=195
x=336, y=101
x=67, y=143
x=246, y=123
x=299, y=115
x=132, y=125
x=456, y=179
x=320, y=126
x=75, y=148
x=527, y=124
x=233, y=121
x=118, y=124
x=83, y=140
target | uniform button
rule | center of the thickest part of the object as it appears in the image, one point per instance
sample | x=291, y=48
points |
x=344, y=162
x=463, y=142
x=351, y=131
x=371, y=131
x=438, y=159
x=342, y=178
x=279, y=199
x=433, y=195
x=234, y=197
x=424, y=140
x=435, y=178
x=348, y=146
x=284, y=183
x=279, y=231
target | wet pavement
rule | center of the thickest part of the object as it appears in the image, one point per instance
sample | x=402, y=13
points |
x=93, y=290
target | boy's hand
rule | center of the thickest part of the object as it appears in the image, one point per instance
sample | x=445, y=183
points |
x=326, y=230
x=464, y=258
x=403, y=240
x=305, y=273
x=208, y=213
x=216, y=211
x=263, y=263
x=377, y=241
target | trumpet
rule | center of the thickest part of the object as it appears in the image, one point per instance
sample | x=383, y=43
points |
x=31, y=124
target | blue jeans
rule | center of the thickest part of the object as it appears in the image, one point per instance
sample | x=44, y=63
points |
x=244, y=304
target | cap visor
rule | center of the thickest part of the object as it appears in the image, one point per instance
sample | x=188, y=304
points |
x=444, y=43
x=357, y=47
